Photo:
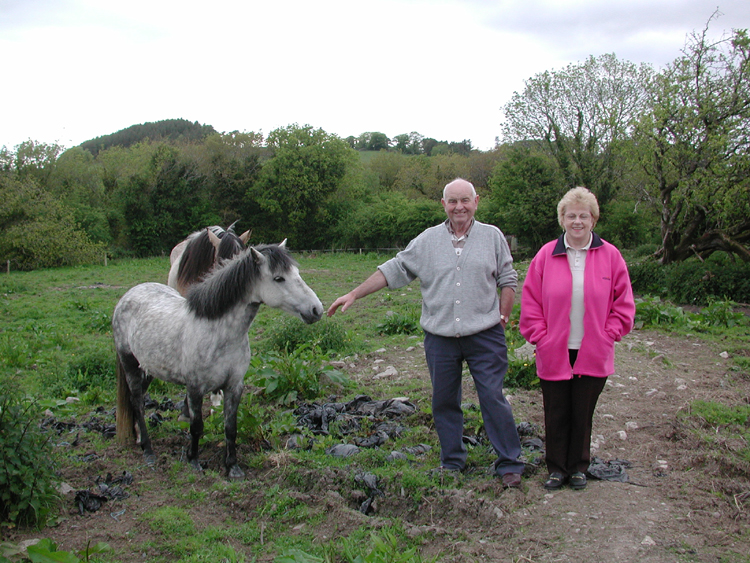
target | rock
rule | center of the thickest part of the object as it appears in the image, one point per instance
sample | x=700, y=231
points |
x=724, y=355
x=390, y=371
x=631, y=425
x=622, y=435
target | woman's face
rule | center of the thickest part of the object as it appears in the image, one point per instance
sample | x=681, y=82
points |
x=578, y=223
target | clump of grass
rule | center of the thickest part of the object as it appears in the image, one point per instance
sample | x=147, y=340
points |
x=289, y=334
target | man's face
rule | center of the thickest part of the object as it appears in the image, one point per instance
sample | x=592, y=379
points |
x=459, y=204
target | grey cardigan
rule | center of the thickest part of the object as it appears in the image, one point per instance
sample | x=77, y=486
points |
x=459, y=293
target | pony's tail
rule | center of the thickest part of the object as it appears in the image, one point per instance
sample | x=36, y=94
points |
x=125, y=419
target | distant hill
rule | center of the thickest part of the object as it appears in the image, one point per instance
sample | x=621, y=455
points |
x=168, y=129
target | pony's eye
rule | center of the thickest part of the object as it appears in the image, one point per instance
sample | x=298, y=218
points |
x=279, y=279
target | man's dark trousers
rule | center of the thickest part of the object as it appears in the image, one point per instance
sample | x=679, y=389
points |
x=486, y=355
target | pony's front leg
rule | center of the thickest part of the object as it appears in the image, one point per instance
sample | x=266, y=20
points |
x=195, y=401
x=232, y=396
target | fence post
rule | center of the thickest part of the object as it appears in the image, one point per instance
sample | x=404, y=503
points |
x=7, y=266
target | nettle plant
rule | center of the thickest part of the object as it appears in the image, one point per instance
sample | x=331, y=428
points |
x=27, y=475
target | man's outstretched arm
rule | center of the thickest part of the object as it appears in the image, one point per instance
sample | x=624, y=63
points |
x=374, y=283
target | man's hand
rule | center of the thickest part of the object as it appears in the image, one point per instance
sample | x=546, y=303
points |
x=345, y=301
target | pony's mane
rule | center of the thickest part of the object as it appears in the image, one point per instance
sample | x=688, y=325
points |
x=197, y=259
x=228, y=284
x=230, y=245
x=200, y=255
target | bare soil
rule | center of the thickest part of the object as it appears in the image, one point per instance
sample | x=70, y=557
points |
x=681, y=502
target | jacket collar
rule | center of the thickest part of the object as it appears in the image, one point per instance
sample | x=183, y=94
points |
x=596, y=242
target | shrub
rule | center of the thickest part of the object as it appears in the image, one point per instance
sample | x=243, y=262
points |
x=27, y=493
x=694, y=281
x=648, y=277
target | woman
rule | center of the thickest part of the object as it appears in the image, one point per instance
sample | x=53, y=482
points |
x=576, y=302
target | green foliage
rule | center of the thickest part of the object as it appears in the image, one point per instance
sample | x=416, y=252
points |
x=164, y=204
x=401, y=323
x=39, y=231
x=167, y=129
x=307, y=168
x=525, y=190
x=27, y=493
x=290, y=376
x=386, y=548
x=716, y=414
x=651, y=311
x=721, y=314
x=579, y=115
x=45, y=551
x=388, y=220
x=719, y=277
x=693, y=281
x=289, y=333
x=521, y=373
x=692, y=145
x=627, y=225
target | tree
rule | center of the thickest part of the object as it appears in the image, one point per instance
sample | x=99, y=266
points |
x=165, y=203
x=579, y=116
x=37, y=230
x=694, y=148
x=77, y=180
x=307, y=167
x=524, y=191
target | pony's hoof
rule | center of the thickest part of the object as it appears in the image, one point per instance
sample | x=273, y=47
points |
x=195, y=464
x=235, y=473
x=150, y=459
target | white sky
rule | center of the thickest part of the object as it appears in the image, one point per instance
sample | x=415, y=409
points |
x=73, y=70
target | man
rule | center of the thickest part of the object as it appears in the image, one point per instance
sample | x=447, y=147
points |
x=460, y=264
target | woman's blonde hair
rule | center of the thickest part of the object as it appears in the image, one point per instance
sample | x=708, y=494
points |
x=578, y=195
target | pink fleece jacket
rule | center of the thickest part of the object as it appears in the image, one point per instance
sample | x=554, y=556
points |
x=545, y=309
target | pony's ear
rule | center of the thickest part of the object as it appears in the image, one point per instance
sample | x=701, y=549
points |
x=282, y=244
x=230, y=228
x=244, y=237
x=258, y=258
x=216, y=241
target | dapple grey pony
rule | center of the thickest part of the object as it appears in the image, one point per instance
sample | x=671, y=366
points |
x=201, y=341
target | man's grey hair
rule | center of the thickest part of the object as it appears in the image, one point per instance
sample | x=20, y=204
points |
x=473, y=191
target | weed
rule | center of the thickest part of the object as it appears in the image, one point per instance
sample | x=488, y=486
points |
x=398, y=323
x=27, y=492
x=46, y=551
x=288, y=334
x=288, y=376
x=721, y=313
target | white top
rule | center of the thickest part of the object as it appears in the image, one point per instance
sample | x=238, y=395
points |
x=577, y=262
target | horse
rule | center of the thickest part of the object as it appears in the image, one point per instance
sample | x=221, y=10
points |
x=201, y=340
x=191, y=259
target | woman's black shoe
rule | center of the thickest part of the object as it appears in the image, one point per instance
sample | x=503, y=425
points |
x=555, y=481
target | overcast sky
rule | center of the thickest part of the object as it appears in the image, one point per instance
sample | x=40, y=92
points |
x=73, y=70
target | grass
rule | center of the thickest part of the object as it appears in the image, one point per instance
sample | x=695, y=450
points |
x=56, y=342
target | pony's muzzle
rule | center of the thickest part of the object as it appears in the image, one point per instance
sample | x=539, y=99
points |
x=313, y=315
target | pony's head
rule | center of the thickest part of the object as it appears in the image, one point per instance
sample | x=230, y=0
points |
x=285, y=289
x=261, y=274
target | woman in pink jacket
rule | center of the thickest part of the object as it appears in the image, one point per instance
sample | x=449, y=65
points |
x=576, y=302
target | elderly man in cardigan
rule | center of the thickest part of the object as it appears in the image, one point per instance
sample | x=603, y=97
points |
x=460, y=264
